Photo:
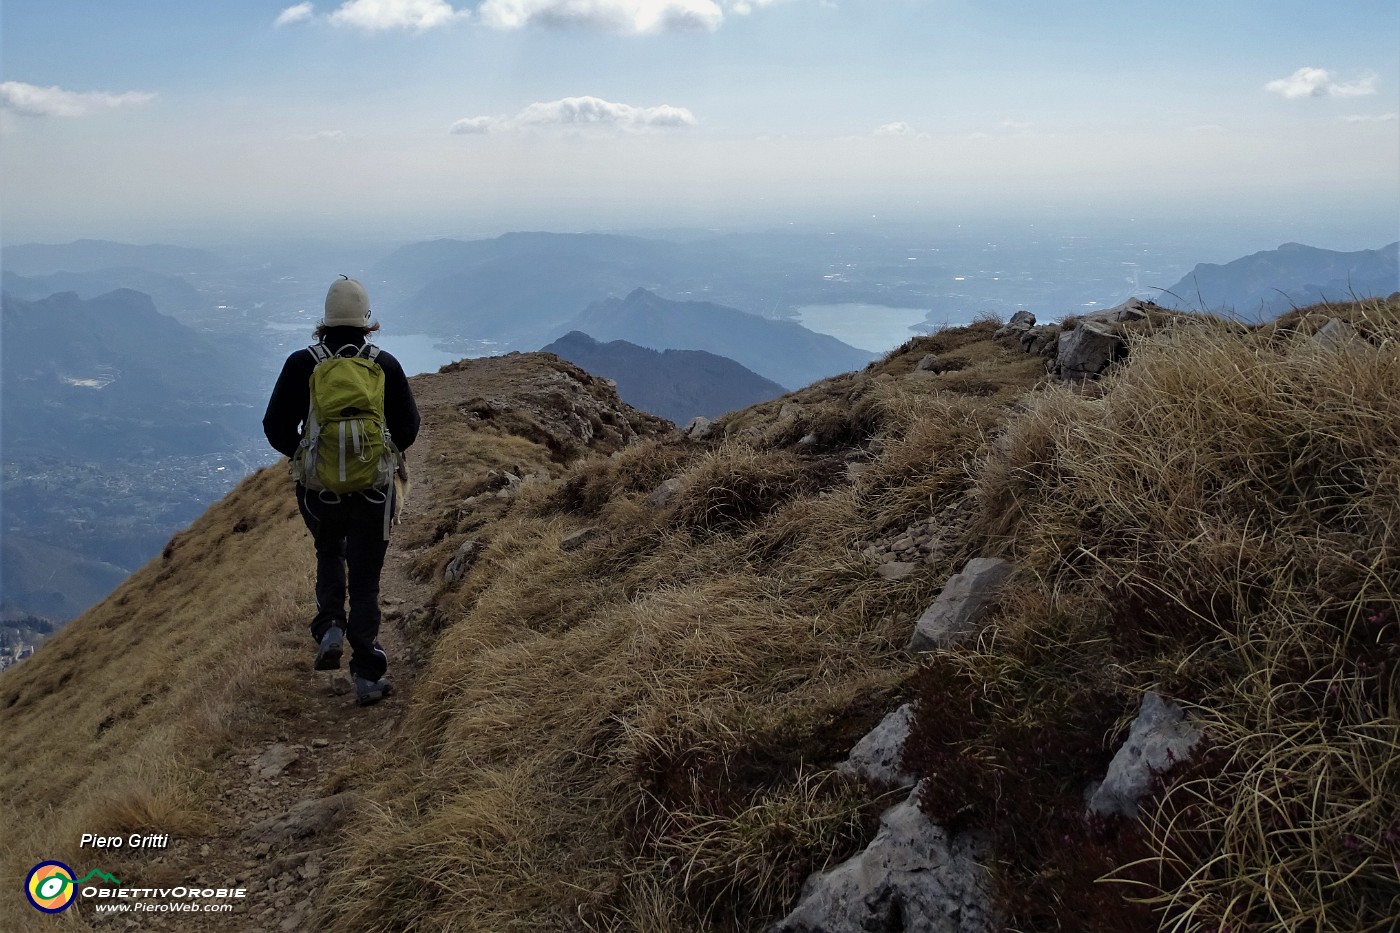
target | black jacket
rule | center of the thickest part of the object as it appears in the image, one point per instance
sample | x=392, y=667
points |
x=291, y=396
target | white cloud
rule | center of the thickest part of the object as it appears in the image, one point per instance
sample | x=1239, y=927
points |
x=295, y=14
x=468, y=126
x=581, y=112
x=594, y=111
x=629, y=17
x=374, y=15
x=1318, y=82
x=745, y=7
x=34, y=101
x=1370, y=118
x=897, y=128
x=1361, y=87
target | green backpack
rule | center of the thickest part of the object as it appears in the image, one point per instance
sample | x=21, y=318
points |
x=346, y=447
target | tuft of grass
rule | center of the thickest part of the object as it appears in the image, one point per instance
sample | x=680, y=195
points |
x=145, y=808
x=751, y=860
x=735, y=485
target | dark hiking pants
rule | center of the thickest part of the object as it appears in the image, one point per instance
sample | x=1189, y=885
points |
x=349, y=536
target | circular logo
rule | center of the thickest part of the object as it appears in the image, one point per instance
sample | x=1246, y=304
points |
x=50, y=887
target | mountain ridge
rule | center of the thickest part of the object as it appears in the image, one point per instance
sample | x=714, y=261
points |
x=77, y=256
x=170, y=293
x=1270, y=282
x=675, y=384
x=783, y=351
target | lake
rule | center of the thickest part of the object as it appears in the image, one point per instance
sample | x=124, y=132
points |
x=877, y=328
x=418, y=353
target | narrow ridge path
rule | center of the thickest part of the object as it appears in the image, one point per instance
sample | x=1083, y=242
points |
x=280, y=798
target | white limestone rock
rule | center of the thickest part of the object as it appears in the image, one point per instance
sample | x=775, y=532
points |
x=875, y=758
x=957, y=612
x=912, y=878
x=1159, y=739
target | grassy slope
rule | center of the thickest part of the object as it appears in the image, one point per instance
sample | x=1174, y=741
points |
x=638, y=735
x=111, y=726
x=121, y=722
x=1220, y=521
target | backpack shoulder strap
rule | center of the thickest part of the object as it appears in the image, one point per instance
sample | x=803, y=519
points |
x=319, y=352
x=370, y=352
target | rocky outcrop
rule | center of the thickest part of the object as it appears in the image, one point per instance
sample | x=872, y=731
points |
x=1134, y=309
x=896, y=570
x=548, y=400
x=1087, y=350
x=913, y=878
x=698, y=428
x=957, y=613
x=306, y=818
x=1041, y=341
x=1020, y=322
x=462, y=561
x=1159, y=739
x=1084, y=346
x=1336, y=334
x=664, y=493
x=876, y=758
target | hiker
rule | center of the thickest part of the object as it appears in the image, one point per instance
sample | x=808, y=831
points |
x=345, y=473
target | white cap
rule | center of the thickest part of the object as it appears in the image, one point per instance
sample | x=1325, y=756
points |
x=347, y=304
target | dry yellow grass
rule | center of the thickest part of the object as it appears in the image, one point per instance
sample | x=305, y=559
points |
x=113, y=725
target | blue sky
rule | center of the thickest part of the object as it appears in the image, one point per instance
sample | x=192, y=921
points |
x=414, y=116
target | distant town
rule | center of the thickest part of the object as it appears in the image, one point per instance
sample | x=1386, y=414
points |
x=20, y=635
x=12, y=655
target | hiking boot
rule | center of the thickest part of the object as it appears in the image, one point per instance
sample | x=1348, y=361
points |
x=331, y=647
x=372, y=691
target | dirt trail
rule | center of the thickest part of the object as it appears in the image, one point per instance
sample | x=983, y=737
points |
x=283, y=791
x=276, y=828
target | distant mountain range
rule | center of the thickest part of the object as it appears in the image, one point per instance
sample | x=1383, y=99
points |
x=675, y=384
x=93, y=255
x=785, y=352
x=521, y=287
x=1266, y=284
x=112, y=377
x=118, y=421
x=171, y=294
